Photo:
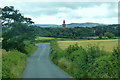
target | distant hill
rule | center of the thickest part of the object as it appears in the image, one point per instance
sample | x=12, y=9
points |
x=48, y=25
x=87, y=24
x=72, y=25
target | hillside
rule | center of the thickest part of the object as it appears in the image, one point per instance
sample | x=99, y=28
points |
x=72, y=25
x=87, y=24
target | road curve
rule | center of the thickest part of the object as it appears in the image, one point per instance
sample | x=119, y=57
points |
x=40, y=66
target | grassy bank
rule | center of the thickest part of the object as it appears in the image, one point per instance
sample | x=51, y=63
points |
x=91, y=62
x=0, y=63
x=14, y=62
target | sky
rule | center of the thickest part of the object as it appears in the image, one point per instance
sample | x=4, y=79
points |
x=72, y=11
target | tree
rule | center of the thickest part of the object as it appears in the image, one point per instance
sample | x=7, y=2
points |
x=10, y=15
x=109, y=35
x=100, y=36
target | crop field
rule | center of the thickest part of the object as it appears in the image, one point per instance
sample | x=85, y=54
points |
x=107, y=45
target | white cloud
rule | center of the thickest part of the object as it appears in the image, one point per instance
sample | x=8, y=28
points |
x=44, y=19
x=88, y=14
x=50, y=14
x=93, y=11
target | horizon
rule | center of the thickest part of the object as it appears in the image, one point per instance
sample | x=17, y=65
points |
x=76, y=23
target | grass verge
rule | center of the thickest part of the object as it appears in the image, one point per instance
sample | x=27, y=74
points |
x=14, y=62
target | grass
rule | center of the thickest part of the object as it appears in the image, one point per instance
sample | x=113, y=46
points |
x=107, y=45
x=30, y=48
x=14, y=62
x=0, y=63
x=44, y=38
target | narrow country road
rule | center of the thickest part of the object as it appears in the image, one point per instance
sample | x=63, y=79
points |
x=40, y=66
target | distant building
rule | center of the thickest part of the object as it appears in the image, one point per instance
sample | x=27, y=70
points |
x=64, y=25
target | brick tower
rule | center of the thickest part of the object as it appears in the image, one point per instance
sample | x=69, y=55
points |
x=64, y=25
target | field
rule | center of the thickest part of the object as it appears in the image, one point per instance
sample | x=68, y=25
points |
x=44, y=38
x=107, y=45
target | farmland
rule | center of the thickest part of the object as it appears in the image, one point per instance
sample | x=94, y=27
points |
x=107, y=45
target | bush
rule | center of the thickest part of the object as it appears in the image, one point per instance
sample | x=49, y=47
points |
x=72, y=48
x=92, y=62
x=104, y=67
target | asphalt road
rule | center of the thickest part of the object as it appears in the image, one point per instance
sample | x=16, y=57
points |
x=40, y=66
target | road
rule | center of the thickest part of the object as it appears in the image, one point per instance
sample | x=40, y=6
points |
x=40, y=66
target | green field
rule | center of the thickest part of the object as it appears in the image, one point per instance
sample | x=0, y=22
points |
x=107, y=45
x=44, y=38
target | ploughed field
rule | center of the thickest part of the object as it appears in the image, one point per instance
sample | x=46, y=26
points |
x=107, y=45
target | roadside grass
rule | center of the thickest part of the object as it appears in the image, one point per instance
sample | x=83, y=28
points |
x=0, y=63
x=107, y=45
x=14, y=62
x=30, y=48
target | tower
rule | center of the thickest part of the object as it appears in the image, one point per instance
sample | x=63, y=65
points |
x=64, y=25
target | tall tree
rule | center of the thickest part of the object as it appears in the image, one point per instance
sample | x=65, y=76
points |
x=10, y=15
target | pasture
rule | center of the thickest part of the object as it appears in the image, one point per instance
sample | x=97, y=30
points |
x=107, y=45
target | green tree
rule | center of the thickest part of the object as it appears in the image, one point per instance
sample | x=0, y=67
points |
x=14, y=38
x=109, y=35
x=100, y=36
x=10, y=15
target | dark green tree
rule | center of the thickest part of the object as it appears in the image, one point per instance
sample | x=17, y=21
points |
x=10, y=15
x=109, y=35
x=100, y=36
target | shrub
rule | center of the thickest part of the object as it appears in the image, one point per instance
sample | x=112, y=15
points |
x=92, y=62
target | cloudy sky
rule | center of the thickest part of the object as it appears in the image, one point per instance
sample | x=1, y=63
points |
x=54, y=12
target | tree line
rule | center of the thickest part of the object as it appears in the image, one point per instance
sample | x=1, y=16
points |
x=78, y=32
